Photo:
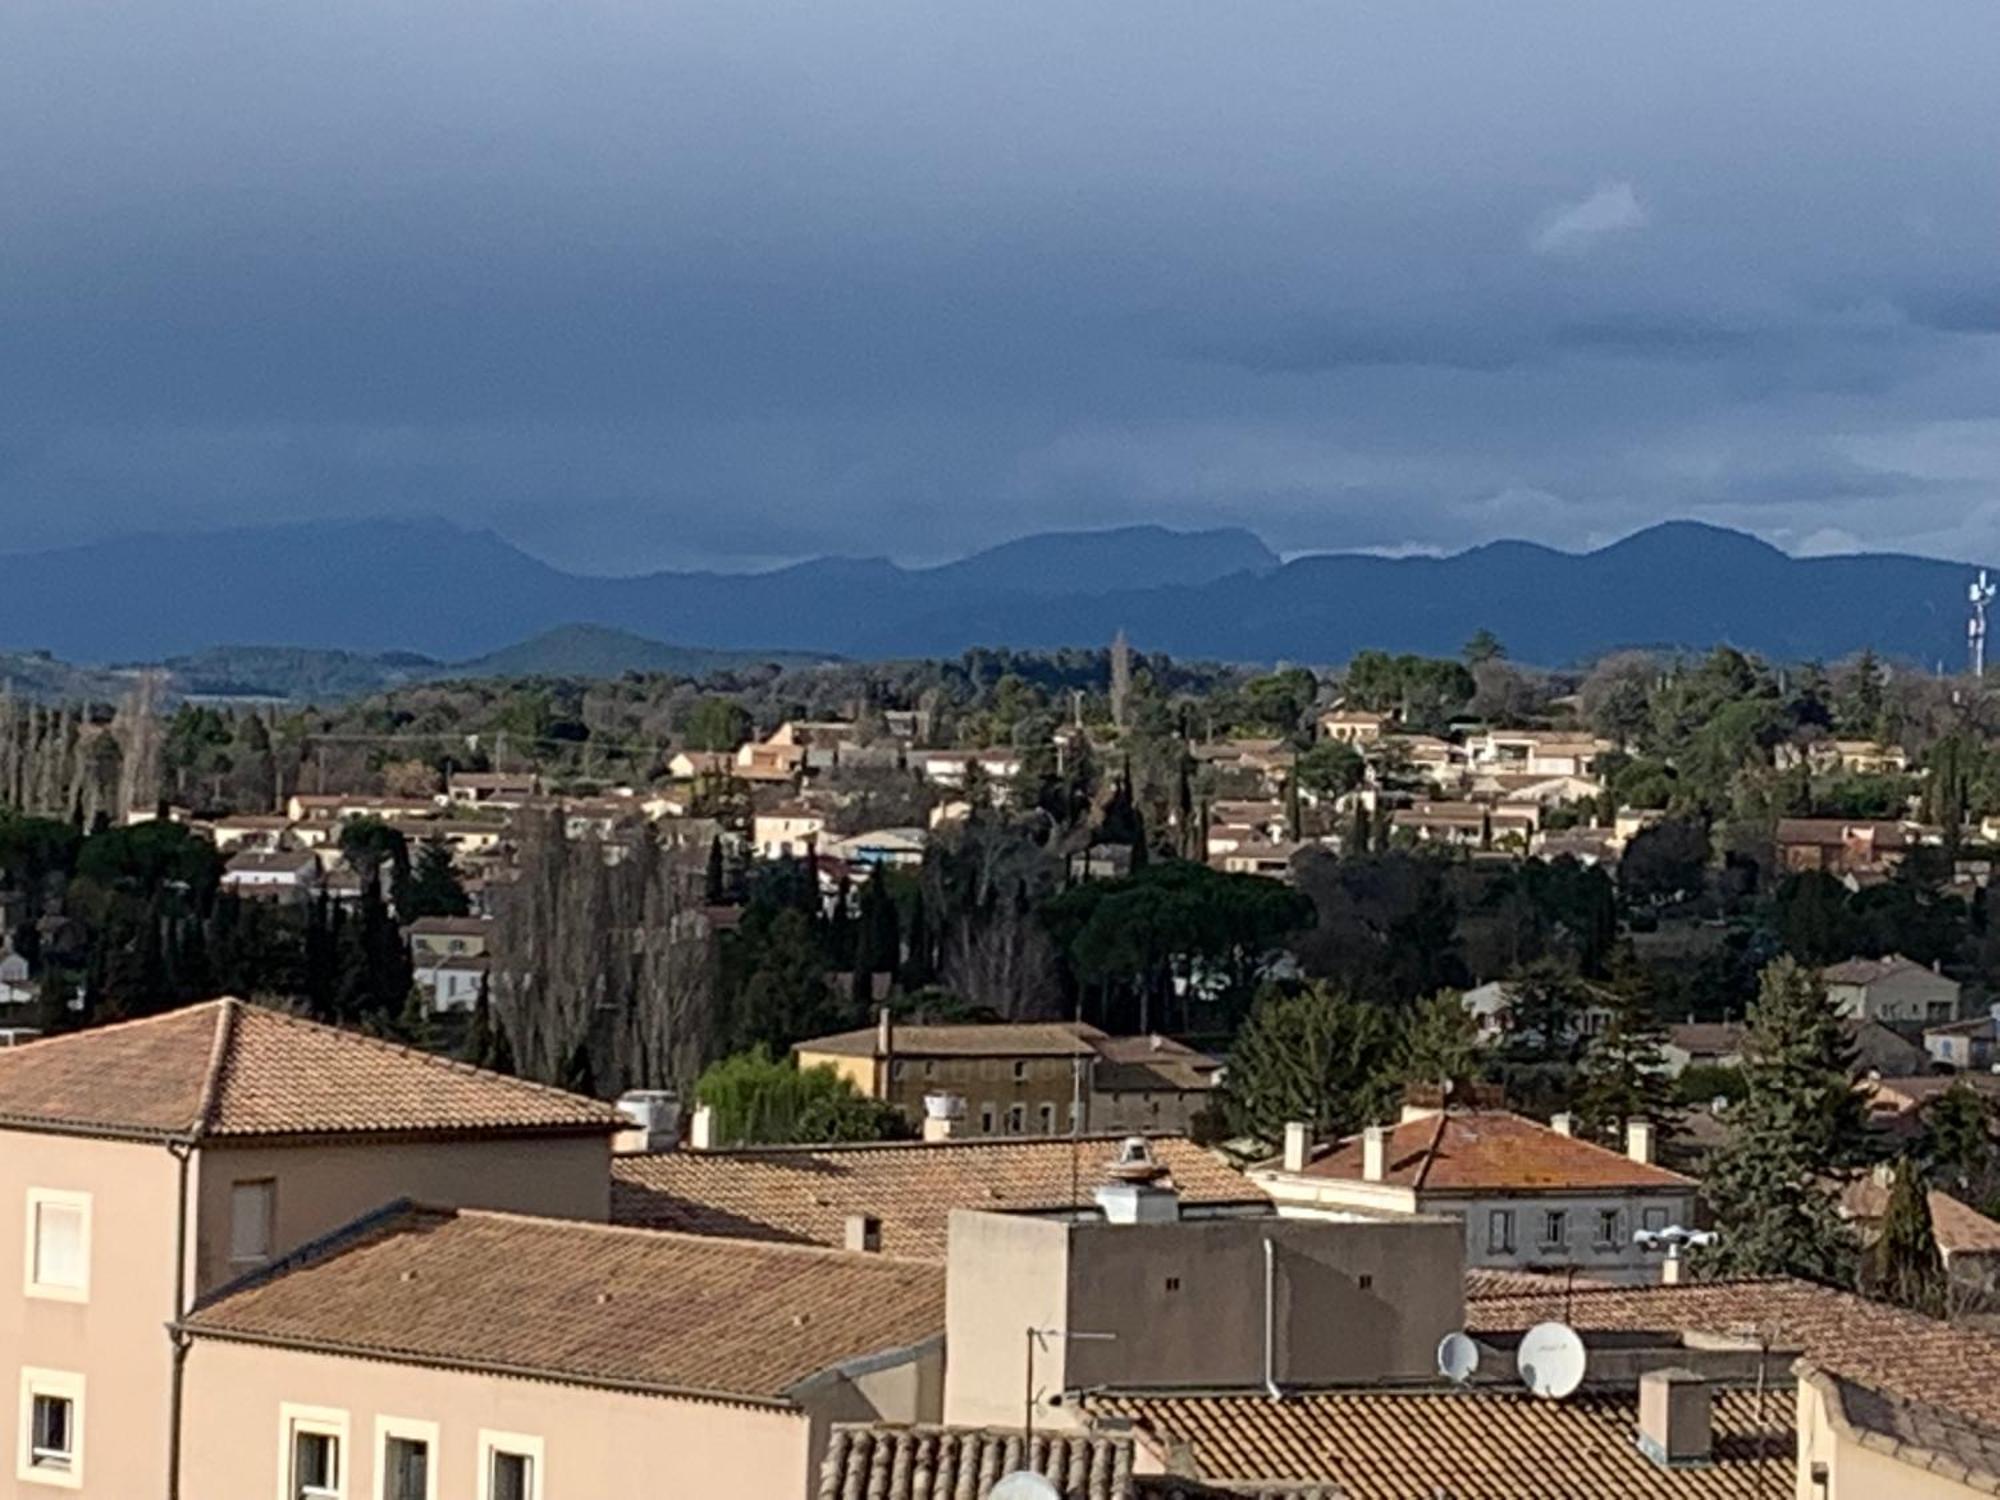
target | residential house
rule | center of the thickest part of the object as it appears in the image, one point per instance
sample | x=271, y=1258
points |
x=814, y=1194
x=496, y=789
x=1536, y=752
x=1024, y=1078
x=1527, y=1195
x=1703, y=1044
x=1850, y=757
x=768, y=763
x=448, y=937
x=1837, y=846
x=145, y=1165
x=1353, y=726
x=954, y=768
x=234, y=831
x=1465, y=825
x=1968, y=1241
x=1587, y=846
x=897, y=848
x=1491, y=1006
x=1894, y=991
x=691, y=765
x=285, y=876
x=425, y=1353
x=1273, y=861
x=1964, y=1046
x=788, y=831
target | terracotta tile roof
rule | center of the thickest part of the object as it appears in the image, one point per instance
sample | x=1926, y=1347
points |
x=591, y=1303
x=1873, y=970
x=1471, y=1151
x=997, y=1039
x=226, y=1069
x=1910, y=1432
x=1959, y=1227
x=1145, y=1064
x=884, y=1462
x=1910, y=1356
x=1469, y=1445
x=804, y=1194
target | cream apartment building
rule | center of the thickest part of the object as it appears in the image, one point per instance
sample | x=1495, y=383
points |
x=146, y=1164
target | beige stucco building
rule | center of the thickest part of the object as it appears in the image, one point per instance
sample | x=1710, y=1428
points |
x=1024, y=1078
x=143, y=1165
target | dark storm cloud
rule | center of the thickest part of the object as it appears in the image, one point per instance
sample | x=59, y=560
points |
x=732, y=282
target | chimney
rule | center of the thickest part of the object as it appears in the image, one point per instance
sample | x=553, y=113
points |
x=942, y=1113
x=656, y=1121
x=1374, y=1153
x=1674, y=1418
x=701, y=1130
x=1298, y=1145
x=864, y=1232
x=1671, y=1271
x=885, y=1034
x=1563, y=1124
x=1639, y=1141
x=1133, y=1192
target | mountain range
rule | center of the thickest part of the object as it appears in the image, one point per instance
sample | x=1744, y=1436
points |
x=428, y=592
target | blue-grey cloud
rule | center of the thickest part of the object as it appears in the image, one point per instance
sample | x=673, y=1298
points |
x=729, y=281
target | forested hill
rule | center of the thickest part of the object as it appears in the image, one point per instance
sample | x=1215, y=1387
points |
x=453, y=595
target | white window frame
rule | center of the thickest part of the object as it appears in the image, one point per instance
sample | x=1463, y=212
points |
x=1614, y=1220
x=1559, y=1219
x=411, y=1430
x=530, y=1448
x=38, y=1199
x=1501, y=1220
x=329, y=1420
x=64, y=1385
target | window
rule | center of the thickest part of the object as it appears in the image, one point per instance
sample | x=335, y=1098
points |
x=51, y=1435
x=1555, y=1227
x=510, y=1466
x=252, y=1213
x=313, y=1452
x=1607, y=1226
x=1500, y=1230
x=58, y=1248
x=1048, y=1119
x=986, y=1119
x=407, y=1470
x=1017, y=1119
x=1020, y=1071
x=1653, y=1218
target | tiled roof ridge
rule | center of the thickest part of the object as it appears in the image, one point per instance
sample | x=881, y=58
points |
x=1662, y=1290
x=227, y=1009
x=1830, y=1384
x=981, y=1142
x=365, y=1041
x=794, y=1248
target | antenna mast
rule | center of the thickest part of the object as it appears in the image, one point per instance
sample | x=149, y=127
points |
x=1980, y=594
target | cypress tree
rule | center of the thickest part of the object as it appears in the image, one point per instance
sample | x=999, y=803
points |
x=713, y=891
x=1799, y=1122
x=1903, y=1265
x=1624, y=1069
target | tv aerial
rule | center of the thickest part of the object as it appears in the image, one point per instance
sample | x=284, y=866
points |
x=1024, y=1484
x=1458, y=1358
x=1550, y=1360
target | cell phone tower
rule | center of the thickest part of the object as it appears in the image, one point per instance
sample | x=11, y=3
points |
x=1980, y=593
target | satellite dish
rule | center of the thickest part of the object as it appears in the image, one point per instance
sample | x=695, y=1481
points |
x=1024, y=1484
x=1550, y=1360
x=1458, y=1358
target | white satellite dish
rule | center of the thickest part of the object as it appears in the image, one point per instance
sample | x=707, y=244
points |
x=1551, y=1360
x=1458, y=1358
x=1024, y=1484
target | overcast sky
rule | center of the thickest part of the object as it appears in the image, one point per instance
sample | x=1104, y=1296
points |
x=657, y=283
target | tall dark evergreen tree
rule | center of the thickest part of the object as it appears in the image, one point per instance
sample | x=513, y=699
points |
x=1903, y=1265
x=1799, y=1124
x=1624, y=1069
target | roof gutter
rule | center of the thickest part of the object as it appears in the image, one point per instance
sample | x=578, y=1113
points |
x=488, y=1367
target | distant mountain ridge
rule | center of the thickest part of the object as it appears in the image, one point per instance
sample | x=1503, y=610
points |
x=452, y=595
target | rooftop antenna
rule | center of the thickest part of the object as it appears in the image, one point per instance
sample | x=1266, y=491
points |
x=1980, y=594
x=1458, y=1358
x=1550, y=1360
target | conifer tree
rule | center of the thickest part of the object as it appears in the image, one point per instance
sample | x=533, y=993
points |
x=1903, y=1265
x=1624, y=1068
x=1800, y=1122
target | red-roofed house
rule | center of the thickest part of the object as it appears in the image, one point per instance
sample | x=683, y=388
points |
x=1532, y=1196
